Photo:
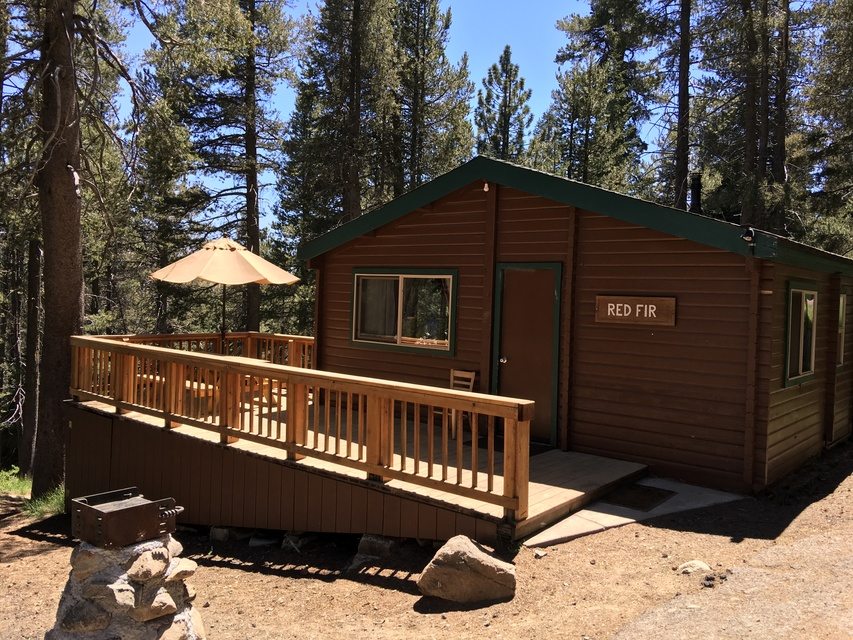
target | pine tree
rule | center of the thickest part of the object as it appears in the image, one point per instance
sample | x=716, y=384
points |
x=617, y=34
x=434, y=134
x=503, y=115
x=219, y=79
x=826, y=207
x=743, y=109
x=580, y=135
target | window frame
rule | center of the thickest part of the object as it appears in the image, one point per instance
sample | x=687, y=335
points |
x=799, y=376
x=403, y=273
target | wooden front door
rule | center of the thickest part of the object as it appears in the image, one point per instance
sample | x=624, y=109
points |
x=526, y=350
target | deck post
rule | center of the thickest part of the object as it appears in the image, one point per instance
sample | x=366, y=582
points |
x=297, y=406
x=377, y=433
x=170, y=397
x=117, y=379
x=517, y=466
x=297, y=417
x=229, y=407
x=510, y=433
x=522, y=468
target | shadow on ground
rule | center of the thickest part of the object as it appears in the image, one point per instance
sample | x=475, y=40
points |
x=326, y=557
x=767, y=515
x=54, y=532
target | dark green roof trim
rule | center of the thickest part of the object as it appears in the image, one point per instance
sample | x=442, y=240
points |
x=675, y=222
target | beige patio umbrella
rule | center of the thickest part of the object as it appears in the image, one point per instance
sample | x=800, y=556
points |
x=224, y=262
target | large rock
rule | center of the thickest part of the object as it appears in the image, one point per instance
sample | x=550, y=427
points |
x=149, y=564
x=693, y=566
x=462, y=571
x=136, y=592
x=181, y=569
x=87, y=560
x=160, y=603
x=85, y=617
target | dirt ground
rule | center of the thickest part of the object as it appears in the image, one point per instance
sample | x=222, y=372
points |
x=781, y=566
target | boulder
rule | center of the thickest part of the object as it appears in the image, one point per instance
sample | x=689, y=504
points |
x=181, y=569
x=462, y=571
x=175, y=548
x=148, y=565
x=85, y=617
x=116, y=595
x=162, y=604
x=87, y=560
x=693, y=566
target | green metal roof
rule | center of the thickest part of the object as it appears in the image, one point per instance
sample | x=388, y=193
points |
x=675, y=222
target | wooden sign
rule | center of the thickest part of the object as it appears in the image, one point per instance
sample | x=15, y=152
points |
x=635, y=310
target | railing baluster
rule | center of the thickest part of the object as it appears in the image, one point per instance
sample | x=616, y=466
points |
x=337, y=421
x=460, y=455
x=404, y=427
x=475, y=446
x=416, y=445
x=349, y=424
x=490, y=452
x=444, y=451
x=362, y=435
x=315, y=443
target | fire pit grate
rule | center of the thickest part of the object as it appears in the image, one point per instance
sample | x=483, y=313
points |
x=122, y=517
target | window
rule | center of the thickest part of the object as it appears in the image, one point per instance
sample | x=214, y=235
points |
x=402, y=309
x=802, y=316
x=842, y=326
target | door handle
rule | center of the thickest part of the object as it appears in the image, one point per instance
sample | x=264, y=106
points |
x=502, y=360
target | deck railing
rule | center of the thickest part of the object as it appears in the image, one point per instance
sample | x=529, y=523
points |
x=271, y=347
x=388, y=430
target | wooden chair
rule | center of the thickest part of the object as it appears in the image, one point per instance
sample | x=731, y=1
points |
x=461, y=381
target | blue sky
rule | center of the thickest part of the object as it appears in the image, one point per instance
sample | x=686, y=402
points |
x=483, y=27
x=479, y=27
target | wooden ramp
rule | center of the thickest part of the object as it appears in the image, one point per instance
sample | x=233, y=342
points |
x=248, y=484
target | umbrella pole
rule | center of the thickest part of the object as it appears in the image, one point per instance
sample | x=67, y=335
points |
x=222, y=326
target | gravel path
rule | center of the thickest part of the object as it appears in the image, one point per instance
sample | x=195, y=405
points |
x=781, y=568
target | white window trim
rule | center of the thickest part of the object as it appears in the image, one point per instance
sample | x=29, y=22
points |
x=399, y=339
x=811, y=370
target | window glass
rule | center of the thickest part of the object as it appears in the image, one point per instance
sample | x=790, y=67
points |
x=426, y=311
x=809, y=302
x=377, y=307
x=802, y=316
x=411, y=310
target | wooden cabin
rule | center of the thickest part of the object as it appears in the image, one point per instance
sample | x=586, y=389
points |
x=710, y=352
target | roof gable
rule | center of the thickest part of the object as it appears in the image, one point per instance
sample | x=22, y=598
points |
x=675, y=222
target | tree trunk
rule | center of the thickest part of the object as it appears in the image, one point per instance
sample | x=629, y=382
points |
x=780, y=127
x=763, y=117
x=60, y=218
x=253, y=232
x=351, y=173
x=31, y=373
x=682, y=136
x=749, y=187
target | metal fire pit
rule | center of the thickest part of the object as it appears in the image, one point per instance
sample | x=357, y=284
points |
x=122, y=517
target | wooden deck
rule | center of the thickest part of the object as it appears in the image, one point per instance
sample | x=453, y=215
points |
x=560, y=482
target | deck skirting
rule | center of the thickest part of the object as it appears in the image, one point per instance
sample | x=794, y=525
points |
x=249, y=485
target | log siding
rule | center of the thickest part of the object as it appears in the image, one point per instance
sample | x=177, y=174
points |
x=670, y=396
x=705, y=400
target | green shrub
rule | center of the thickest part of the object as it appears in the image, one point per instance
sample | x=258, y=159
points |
x=12, y=483
x=47, y=505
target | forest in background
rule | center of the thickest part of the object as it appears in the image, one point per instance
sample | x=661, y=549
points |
x=749, y=102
